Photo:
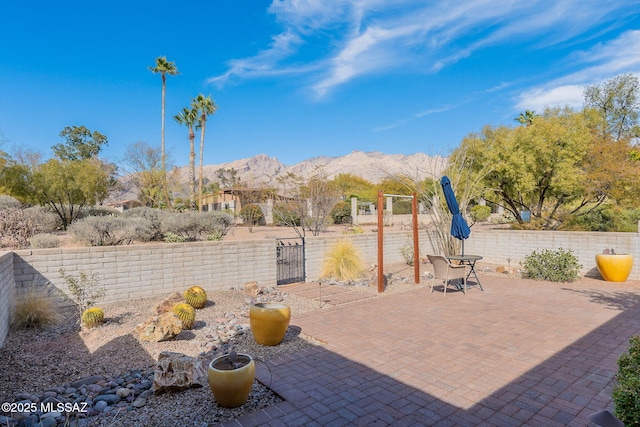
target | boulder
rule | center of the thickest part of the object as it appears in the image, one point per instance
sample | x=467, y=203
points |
x=159, y=328
x=169, y=302
x=177, y=371
x=251, y=289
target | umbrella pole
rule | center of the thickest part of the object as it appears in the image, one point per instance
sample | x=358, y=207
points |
x=462, y=247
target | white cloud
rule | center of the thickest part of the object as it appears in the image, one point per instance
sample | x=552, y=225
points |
x=602, y=62
x=362, y=37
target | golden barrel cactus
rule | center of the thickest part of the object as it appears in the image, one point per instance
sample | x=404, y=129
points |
x=92, y=317
x=196, y=297
x=186, y=313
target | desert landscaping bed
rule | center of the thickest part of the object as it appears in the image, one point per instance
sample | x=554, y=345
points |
x=67, y=363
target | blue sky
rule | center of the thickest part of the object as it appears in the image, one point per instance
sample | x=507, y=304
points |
x=297, y=79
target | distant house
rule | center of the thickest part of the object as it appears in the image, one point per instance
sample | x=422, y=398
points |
x=230, y=199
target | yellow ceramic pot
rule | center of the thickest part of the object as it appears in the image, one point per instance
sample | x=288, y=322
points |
x=231, y=387
x=269, y=322
x=614, y=267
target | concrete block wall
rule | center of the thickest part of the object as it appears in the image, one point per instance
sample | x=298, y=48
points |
x=367, y=243
x=7, y=293
x=138, y=271
x=500, y=246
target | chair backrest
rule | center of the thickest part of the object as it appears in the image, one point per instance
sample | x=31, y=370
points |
x=440, y=266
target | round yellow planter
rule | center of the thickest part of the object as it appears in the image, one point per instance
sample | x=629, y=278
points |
x=269, y=322
x=614, y=267
x=231, y=387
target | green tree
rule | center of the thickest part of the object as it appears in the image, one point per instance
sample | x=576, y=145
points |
x=228, y=178
x=81, y=144
x=69, y=186
x=164, y=67
x=351, y=185
x=616, y=102
x=189, y=118
x=206, y=107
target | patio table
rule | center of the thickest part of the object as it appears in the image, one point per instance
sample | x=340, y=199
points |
x=469, y=260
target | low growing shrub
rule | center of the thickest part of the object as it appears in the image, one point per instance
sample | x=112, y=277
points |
x=35, y=310
x=343, y=262
x=341, y=213
x=406, y=251
x=108, y=230
x=170, y=237
x=44, y=241
x=84, y=289
x=154, y=216
x=251, y=214
x=195, y=226
x=480, y=213
x=555, y=266
x=8, y=202
x=626, y=393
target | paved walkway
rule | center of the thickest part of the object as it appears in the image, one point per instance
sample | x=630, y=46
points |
x=520, y=353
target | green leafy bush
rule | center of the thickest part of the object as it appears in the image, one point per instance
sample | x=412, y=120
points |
x=626, y=393
x=480, y=213
x=170, y=237
x=251, y=214
x=44, y=240
x=402, y=207
x=555, y=266
x=341, y=213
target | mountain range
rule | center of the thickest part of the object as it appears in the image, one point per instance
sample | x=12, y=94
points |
x=372, y=166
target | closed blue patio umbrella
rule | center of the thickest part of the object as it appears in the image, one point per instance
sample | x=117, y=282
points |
x=459, y=228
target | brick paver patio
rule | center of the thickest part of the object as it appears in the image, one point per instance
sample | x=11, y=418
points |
x=520, y=353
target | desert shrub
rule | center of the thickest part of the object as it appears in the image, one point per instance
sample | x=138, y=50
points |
x=84, y=289
x=406, y=251
x=251, y=214
x=45, y=220
x=354, y=229
x=170, y=237
x=215, y=237
x=286, y=215
x=341, y=213
x=480, y=213
x=16, y=228
x=402, y=207
x=101, y=211
x=107, y=230
x=556, y=266
x=8, y=202
x=44, y=240
x=606, y=218
x=343, y=262
x=195, y=226
x=626, y=393
x=153, y=215
x=35, y=310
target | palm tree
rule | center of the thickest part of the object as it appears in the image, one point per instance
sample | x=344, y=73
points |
x=206, y=106
x=526, y=118
x=164, y=67
x=189, y=117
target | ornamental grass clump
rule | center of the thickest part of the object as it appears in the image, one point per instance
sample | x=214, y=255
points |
x=34, y=310
x=555, y=266
x=626, y=393
x=343, y=262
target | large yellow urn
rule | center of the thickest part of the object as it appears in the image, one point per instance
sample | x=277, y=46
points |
x=614, y=267
x=269, y=322
x=230, y=381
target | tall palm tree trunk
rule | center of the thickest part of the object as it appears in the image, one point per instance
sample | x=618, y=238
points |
x=192, y=170
x=200, y=171
x=165, y=186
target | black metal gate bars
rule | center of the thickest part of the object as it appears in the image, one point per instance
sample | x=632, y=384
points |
x=290, y=260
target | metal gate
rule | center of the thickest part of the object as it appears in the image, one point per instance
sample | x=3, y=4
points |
x=290, y=260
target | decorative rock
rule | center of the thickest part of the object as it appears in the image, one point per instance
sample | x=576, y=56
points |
x=89, y=380
x=139, y=402
x=111, y=399
x=166, y=304
x=123, y=392
x=100, y=405
x=159, y=328
x=177, y=371
x=251, y=289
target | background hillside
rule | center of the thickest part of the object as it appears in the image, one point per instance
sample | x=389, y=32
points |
x=262, y=169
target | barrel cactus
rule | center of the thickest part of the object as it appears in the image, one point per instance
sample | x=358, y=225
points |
x=92, y=317
x=196, y=297
x=186, y=313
